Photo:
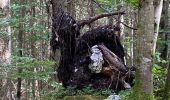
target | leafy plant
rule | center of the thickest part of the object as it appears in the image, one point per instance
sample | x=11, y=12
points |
x=134, y=3
x=159, y=75
x=62, y=92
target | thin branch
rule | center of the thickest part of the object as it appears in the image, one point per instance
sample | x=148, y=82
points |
x=84, y=22
x=89, y=20
x=128, y=26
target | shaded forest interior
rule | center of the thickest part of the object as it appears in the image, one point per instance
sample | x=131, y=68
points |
x=84, y=49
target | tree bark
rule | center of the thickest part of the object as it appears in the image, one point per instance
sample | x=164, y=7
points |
x=164, y=25
x=57, y=9
x=158, y=10
x=113, y=60
x=4, y=4
x=167, y=48
x=91, y=12
x=34, y=53
x=7, y=87
x=71, y=8
x=143, y=88
x=167, y=84
x=120, y=21
x=20, y=46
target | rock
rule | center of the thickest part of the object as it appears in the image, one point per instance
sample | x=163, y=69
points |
x=114, y=97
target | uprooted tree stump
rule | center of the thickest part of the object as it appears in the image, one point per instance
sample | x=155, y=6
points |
x=76, y=54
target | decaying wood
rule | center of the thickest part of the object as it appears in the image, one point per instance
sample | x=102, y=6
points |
x=115, y=67
x=113, y=60
x=73, y=67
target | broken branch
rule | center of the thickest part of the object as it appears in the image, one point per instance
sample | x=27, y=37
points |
x=89, y=20
x=128, y=26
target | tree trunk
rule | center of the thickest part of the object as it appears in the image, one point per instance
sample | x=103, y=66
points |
x=7, y=87
x=91, y=12
x=158, y=10
x=164, y=25
x=143, y=88
x=121, y=19
x=167, y=84
x=4, y=4
x=34, y=53
x=167, y=48
x=56, y=9
x=71, y=8
x=9, y=82
x=20, y=46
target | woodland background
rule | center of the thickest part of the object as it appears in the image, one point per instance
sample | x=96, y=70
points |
x=27, y=70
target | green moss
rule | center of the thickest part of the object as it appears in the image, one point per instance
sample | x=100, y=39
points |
x=137, y=93
x=133, y=2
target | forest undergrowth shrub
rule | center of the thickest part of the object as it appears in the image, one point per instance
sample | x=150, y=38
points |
x=159, y=75
x=61, y=92
x=32, y=69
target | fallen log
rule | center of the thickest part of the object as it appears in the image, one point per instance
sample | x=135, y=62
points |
x=114, y=61
x=115, y=69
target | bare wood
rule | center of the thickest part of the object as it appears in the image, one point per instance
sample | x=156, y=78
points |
x=89, y=20
x=112, y=59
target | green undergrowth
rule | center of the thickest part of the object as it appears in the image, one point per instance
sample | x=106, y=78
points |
x=137, y=93
x=66, y=93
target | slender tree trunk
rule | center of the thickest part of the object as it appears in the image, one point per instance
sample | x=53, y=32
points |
x=35, y=88
x=91, y=12
x=166, y=53
x=5, y=55
x=121, y=19
x=4, y=3
x=9, y=82
x=129, y=54
x=121, y=33
x=164, y=25
x=43, y=52
x=143, y=89
x=56, y=9
x=158, y=10
x=20, y=46
x=167, y=84
x=71, y=8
